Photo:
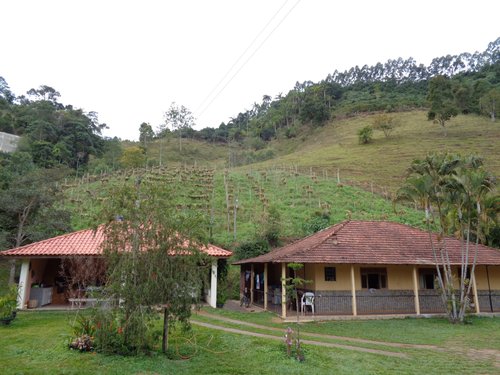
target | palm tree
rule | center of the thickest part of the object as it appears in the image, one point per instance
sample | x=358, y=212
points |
x=452, y=190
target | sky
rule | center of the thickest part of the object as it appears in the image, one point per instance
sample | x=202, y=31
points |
x=129, y=60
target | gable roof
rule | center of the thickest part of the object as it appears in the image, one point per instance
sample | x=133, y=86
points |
x=85, y=242
x=370, y=242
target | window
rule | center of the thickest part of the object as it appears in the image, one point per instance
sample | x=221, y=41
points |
x=330, y=274
x=427, y=278
x=373, y=278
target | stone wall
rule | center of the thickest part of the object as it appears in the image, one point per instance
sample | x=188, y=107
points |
x=8, y=142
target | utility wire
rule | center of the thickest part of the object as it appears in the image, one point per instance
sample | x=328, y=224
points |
x=242, y=55
x=249, y=58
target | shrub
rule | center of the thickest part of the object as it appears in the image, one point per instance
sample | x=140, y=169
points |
x=365, y=135
x=318, y=221
x=252, y=249
x=8, y=303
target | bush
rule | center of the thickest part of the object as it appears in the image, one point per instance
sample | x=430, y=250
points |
x=365, y=135
x=252, y=249
x=317, y=222
x=8, y=303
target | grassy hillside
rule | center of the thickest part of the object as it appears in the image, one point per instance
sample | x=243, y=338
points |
x=384, y=161
x=293, y=198
x=193, y=152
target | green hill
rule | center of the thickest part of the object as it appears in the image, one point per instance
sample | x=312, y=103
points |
x=383, y=161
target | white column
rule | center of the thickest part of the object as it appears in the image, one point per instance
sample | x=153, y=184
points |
x=474, y=290
x=283, y=290
x=415, y=290
x=353, y=292
x=213, y=284
x=24, y=286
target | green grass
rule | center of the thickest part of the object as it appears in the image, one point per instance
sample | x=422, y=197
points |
x=384, y=161
x=193, y=152
x=36, y=342
x=484, y=332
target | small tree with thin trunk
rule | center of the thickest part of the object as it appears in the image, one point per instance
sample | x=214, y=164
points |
x=179, y=118
x=294, y=283
x=385, y=123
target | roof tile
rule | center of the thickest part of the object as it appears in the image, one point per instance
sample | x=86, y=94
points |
x=85, y=242
x=370, y=242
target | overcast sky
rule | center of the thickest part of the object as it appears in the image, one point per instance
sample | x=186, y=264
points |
x=128, y=60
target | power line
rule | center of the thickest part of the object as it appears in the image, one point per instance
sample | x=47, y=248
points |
x=243, y=54
x=249, y=58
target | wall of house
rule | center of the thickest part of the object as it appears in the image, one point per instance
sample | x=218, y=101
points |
x=316, y=272
x=482, y=277
x=399, y=277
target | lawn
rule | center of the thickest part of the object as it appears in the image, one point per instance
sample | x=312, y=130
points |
x=36, y=342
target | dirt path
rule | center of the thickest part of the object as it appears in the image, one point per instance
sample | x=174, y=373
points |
x=319, y=335
x=310, y=342
x=473, y=354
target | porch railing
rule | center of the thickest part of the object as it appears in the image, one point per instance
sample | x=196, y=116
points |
x=373, y=302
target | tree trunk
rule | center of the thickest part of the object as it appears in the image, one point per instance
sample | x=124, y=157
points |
x=12, y=273
x=164, y=344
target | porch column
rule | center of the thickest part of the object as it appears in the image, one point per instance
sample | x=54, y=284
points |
x=23, y=284
x=213, y=284
x=252, y=278
x=353, y=292
x=265, y=286
x=283, y=290
x=415, y=290
x=474, y=290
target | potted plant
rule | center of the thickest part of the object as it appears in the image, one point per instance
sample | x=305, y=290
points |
x=8, y=306
x=221, y=298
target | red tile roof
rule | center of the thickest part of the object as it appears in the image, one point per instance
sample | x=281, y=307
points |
x=85, y=242
x=370, y=242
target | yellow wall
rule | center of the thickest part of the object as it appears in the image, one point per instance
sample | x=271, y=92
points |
x=482, y=280
x=399, y=277
x=316, y=272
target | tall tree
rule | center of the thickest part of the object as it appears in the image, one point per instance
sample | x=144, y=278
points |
x=490, y=103
x=162, y=265
x=442, y=101
x=146, y=134
x=27, y=205
x=179, y=118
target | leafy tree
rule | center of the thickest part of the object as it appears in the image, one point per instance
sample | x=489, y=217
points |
x=154, y=260
x=442, y=101
x=133, y=157
x=452, y=190
x=490, y=103
x=385, y=123
x=27, y=205
x=146, y=134
x=365, y=135
x=179, y=118
x=252, y=249
x=5, y=93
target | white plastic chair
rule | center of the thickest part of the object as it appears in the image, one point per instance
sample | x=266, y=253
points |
x=307, y=300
